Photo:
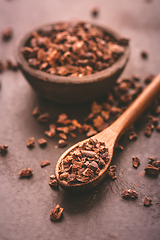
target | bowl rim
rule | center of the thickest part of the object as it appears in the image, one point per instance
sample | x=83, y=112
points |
x=94, y=77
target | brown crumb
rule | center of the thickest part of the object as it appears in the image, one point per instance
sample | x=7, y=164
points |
x=26, y=172
x=147, y=201
x=118, y=146
x=95, y=11
x=158, y=128
x=135, y=162
x=7, y=33
x=132, y=136
x=36, y=112
x=63, y=136
x=45, y=163
x=111, y=172
x=43, y=118
x=53, y=181
x=3, y=149
x=129, y=194
x=151, y=170
x=62, y=143
x=56, y=213
x=144, y=54
x=30, y=142
x=42, y=142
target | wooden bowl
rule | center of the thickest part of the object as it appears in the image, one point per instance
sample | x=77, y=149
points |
x=64, y=89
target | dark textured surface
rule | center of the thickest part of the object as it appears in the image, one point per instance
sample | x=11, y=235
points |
x=101, y=213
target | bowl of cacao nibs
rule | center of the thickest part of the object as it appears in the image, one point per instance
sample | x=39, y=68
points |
x=72, y=62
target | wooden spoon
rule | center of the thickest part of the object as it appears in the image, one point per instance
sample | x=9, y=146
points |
x=111, y=134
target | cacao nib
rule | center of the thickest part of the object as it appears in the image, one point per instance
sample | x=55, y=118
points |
x=132, y=136
x=147, y=201
x=45, y=117
x=45, y=163
x=111, y=172
x=95, y=11
x=42, y=142
x=151, y=170
x=3, y=149
x=56, y=213
x=76, y=49
x=26, y=172
x=158, y=128
x=153, y=158
x=62, y=143
x=84, y=162
x=7, y=33
x=30, y=142
x=36, y=112
x=53, y=181
x=144, y=54
x=135, y=162
x=130, y=194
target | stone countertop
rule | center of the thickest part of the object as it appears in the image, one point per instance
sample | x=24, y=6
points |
x=100, y=213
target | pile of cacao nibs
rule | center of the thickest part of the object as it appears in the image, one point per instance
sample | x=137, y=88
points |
x=84, y=162
x=72, y=49
x=104, y=112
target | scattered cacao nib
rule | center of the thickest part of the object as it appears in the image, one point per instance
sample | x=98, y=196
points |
x=158, y=128
x=62, y=143
x=11, y=65
x=144, y=54
x=63, y=119
x=156, y=164
x=56, y=213
x=63, y=129
x=36, y=112
x=84, y=162
x=129, y=194
x=135, y=162
x=148, y=131
x=45, y=117
x=63, y=136
x=7, y=33
x=147, y=201
x=53, y=181
x=45, y=163
x=72, y=134
x=52, y=131
x=73, y=49
x=26, y=172
x=151, y=170
x=95, y=11
x=111, y=172
x=30, y=142
x=42, y=142
x=98, y=121
x=153, y=158
x=118, y=146
x=152, y=119
x=132, y=136
x=114, y=110
x=157, y=110
x=148, y=78
x=3, y=149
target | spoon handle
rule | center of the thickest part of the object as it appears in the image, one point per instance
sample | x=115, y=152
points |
x=143, y=101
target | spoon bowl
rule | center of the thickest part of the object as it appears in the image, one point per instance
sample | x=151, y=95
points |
x=111, y=134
